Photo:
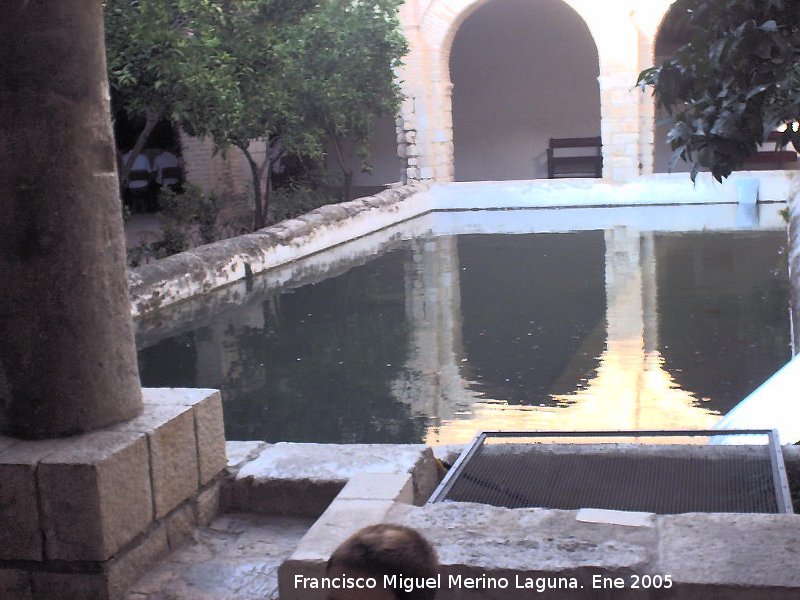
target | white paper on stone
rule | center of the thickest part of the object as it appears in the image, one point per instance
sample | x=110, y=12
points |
x=615, y=517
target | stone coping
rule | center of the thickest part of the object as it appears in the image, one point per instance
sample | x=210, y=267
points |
x=208, y=267
x=709, y=556
x=300, y=479
x=213, y=266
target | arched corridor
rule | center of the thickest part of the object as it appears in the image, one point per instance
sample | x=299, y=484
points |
x=522, y=72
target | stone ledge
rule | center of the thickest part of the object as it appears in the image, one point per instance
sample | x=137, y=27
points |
x=187, y=274
x=303, y=479
x=708, y=556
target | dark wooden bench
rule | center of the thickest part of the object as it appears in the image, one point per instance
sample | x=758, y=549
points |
x=575, y=157
x=771, y=157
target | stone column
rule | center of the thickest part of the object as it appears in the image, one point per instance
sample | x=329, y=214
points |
x=68, y=363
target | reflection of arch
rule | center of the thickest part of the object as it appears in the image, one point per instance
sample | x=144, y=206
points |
x=522, y=72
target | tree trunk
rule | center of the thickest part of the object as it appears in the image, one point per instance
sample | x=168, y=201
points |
x=255, y=172
x=268, y=168
x=347, y=174
x=69, y=360
x=153, y=117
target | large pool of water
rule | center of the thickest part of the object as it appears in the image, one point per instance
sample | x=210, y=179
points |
x=645, y=323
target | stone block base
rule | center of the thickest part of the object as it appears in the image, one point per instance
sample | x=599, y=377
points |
x=89, y=514
x=298, y=479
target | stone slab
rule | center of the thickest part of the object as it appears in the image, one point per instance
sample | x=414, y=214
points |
x=301, y=498
x=242, y=452
x=329, y=462
x=95, y=495
x=527, y=540
x=745, y=550
x=337, y=523
x=397, y=487
x=176, y=396
x=303, y=479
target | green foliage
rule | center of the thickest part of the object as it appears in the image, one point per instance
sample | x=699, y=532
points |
x=187, y=219
x=165, y=60
x=292, y=73
x=350, y=54
x=298, y=199
x=735, y=81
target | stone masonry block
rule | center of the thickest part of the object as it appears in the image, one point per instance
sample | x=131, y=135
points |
x=208, y=502
x=109, y=582
x=398, y=487
x=20, y=534
x=210, y=429
x=173, y=452
x=180, y=524
x=15, y=585
x=69, y=586
x=95, y=495
x=124, y=570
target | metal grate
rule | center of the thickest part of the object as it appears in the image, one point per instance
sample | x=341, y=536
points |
x=663, y=479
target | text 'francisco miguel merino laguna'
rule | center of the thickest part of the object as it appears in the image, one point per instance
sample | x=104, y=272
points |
x=409, y=584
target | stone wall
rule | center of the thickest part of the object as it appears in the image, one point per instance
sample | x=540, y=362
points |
x=624, y=33
x=205, y=268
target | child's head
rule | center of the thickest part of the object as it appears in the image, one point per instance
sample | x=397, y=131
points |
x=385, y=550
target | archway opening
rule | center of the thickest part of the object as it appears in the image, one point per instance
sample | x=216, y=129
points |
x=672, y=34
x=523, y=72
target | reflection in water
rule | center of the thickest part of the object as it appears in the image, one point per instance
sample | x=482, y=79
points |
x=449, y=335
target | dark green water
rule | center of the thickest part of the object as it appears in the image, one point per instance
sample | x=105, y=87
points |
x=438, y=338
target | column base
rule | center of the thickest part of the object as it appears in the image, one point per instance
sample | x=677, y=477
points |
x=89, y=514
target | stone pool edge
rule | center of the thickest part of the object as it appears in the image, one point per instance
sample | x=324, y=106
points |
x=205, y=268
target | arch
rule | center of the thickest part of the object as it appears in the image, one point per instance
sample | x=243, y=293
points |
x=669, y=36
x=427, y=128
x=523, y=72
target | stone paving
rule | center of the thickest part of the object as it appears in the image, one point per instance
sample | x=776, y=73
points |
x=235, y=558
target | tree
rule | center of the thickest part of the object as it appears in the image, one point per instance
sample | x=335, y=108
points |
x=260, y=36
x=735, y=81
x=165, y=60
x=350, y=55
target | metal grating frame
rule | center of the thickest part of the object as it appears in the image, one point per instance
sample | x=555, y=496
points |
x=746, y=478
